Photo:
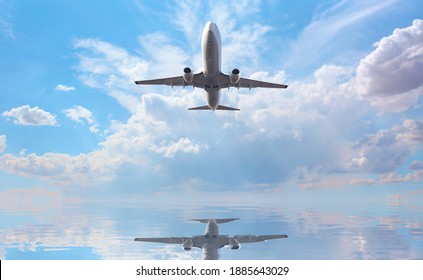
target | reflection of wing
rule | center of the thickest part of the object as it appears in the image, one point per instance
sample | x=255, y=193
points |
x=247, y=83
x=169, y=240
x=257, y=238
x=198, y=81
x=197, y=241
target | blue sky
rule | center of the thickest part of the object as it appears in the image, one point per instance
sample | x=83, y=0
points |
x=73, y=124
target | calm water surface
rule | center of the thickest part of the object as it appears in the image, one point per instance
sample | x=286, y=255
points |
x=105, y=229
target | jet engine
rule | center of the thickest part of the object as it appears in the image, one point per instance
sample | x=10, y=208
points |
x=188, y=75
x=187, y=245
x=234, y=76
x=234, y=244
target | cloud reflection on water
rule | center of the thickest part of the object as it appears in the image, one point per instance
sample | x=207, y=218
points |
x=62, y=227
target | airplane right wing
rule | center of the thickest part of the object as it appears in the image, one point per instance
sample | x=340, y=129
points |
x=236, y=240
x=247, y=83
x=257, y=238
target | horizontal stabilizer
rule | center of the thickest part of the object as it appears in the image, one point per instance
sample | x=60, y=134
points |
x=205, y=107
x=219, y=107
x=218, y=221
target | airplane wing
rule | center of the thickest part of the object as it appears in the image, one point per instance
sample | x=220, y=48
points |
x=198, y=81
x=168, y=240
x=257, y=238
x=196, y=241
x=225, y=240
x=248, y=83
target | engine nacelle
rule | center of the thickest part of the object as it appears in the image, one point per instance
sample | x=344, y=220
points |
x=187, y=245
x=234, y=76
x=234, y=244
x=188, y=75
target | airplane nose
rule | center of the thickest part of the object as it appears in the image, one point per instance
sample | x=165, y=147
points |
x=210, y=26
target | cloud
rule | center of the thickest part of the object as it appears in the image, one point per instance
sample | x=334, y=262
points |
x=392, y=178
x=388, y=149
x=416, y=165
x=36, y=199
x=6, y=28
x=331, y=30
x=166, y=58
x=2, y=143
x=61, y=87
x=25, y=115
x=416, y=174
x=110, y=68
x=183, y=145
x=6, y=18
x=390, y=76
x=79, y=114
x=62, y=169
x=362, y=181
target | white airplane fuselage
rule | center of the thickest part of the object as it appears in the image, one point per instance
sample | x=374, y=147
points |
x=211, y=241
x=211, y=52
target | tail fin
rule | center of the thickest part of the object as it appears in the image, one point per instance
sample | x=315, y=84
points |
x=218, y=221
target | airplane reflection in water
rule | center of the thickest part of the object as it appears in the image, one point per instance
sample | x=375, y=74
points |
x=212, y=241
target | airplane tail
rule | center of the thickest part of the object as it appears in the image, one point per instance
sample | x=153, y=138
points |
x=220, y=107
x=218, y=221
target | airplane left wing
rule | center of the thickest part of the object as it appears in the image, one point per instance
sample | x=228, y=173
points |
x=257, y=238
x=248, y=83
x=197, y=81
x=186, y=242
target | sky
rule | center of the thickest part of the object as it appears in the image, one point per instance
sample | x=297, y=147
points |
x=74, y=126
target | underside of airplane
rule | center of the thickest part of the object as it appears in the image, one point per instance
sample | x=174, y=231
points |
x=211, y=79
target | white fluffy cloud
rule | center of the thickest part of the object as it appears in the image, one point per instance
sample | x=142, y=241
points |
x=388, y=149
x=25, y=115
x=183, y=145
x=79, y=114
x=111, y=69
x=2, y=143
x=62, y=169
x=391, y=75
x=61, y=87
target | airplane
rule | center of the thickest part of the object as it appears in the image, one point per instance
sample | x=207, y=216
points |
x=212, y=80
x=212, y=241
